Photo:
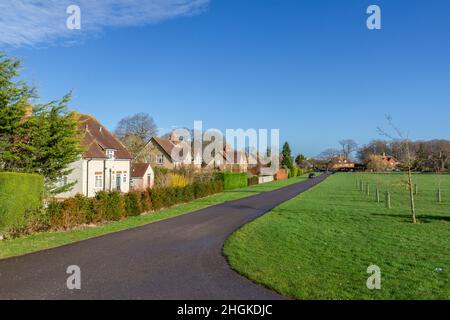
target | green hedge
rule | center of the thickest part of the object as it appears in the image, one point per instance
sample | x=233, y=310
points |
x=112, y=206
x=253, y=180
x=233, y=180
x=19, y=193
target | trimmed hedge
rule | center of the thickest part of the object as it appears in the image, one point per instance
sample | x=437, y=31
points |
x=233, y=180
x=20, y=193
x=253, y=180
x=112, y=206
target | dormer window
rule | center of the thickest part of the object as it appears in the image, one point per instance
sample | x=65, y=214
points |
x=110, y=154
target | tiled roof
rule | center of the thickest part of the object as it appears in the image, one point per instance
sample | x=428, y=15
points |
x=167, y=145
x=138, y=170
x=98, y=139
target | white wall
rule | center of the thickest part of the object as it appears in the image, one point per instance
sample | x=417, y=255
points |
x=85, y=172
x=264, y=179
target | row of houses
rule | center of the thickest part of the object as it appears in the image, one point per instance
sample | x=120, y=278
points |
x=106, y=164
x=341, y=163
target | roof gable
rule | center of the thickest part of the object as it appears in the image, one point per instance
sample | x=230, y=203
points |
x=138, y=170
x=98, y=139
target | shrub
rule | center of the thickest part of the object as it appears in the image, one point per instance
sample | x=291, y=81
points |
x=109, y=206
x=162, y=178
x=146, y=201
x=188, y=194
x=161, y=198
x=177, y=180
x=133, y=206
x=72, y=212
x=112, y=206
x=233, y=180
x=19, y=193
x=253, y=180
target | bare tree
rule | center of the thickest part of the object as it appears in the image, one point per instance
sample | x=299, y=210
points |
x=140, y=125
x=404, y=144
x=328, y=156
x=348, y=147
x=135, y=131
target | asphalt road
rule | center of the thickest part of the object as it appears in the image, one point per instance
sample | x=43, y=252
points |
x=178, y=258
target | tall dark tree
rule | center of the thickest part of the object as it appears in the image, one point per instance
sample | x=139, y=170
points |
x=299, y=160
x=52, y=143
x=286, y=154
x=14, y=97
x=44, y=139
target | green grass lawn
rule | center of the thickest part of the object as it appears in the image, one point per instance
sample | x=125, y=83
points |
x=320, y=244
x=19, y=246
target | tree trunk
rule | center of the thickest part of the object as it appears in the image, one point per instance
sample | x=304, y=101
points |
x=388, y=200
x=411, y=196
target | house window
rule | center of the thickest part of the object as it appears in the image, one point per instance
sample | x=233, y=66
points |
x=160, y=159
x=124, y=178
x=149, y=180
x=99, y=181
x=110, y=154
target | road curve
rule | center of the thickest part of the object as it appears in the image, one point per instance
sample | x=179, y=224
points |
x=179, y=258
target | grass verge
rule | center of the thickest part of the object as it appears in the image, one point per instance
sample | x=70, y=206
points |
x=320, y=244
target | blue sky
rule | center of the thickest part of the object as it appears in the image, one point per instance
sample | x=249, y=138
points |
x=310, y=68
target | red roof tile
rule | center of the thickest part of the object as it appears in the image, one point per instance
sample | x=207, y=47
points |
x=98, y=139
x=138, y=170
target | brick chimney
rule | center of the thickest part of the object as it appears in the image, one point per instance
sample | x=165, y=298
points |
x=173, y=137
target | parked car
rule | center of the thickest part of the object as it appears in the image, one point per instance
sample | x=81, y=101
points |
x=312, y=175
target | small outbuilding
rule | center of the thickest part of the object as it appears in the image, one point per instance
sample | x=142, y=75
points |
x=142, y=176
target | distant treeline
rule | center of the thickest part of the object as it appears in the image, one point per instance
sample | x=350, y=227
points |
x=432, y=155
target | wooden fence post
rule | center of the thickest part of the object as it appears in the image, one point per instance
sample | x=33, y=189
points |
x=388, y=200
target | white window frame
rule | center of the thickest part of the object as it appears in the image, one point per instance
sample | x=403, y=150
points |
x=110, y=154
x=97, y=176
x=160, y=159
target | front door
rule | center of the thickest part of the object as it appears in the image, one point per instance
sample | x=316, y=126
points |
x=118, y=182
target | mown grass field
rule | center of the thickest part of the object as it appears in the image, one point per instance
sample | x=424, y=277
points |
x=28, y=244
x=320, y=244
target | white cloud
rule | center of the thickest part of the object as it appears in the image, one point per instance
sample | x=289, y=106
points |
x=35, y=22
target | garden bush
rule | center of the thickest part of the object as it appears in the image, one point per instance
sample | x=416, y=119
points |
x=253, y=180
x=109, y=206
x=146, y=201
x=177, y=180
x=133, y=203
x=19, y=194
x=233, y=180
x=113, y=206
x=75, y=211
